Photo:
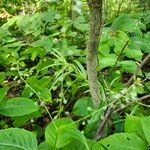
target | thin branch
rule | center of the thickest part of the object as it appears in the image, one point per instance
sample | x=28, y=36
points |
x=119, y=57
x=132, y=102
x=137, y=70
x=100, y=130
x=111, y=111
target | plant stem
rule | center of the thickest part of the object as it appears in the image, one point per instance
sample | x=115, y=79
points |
x=137, y=70
x=119, y=57
x=95, y=8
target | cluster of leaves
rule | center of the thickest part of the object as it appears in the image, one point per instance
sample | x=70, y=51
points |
x=63, y=133
x=42, y=71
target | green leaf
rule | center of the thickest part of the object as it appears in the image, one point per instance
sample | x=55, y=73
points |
x=138, y=126
x=82, y=105
x=79, y=146
x=133, y=125
x=80, y=24
x=133, y=53
x=44, y=146
x=21, y=120
x=3, y=91
x=40, y=86
x=61, y=132
x=119, y=41
x=145, y=45
x=129, y=66
x=51, y=132
x=17, y=139
x=104, y=49
x=123, y=22
x=45, y=43
x=107, y=61
x=18, y=107
x=124, y=141
x=34, y=52
x=147, y=84
x=146, y=128
x=49, y=15
x=2, y=77
x=31, y=24
x=27, y=92
x=95, y=145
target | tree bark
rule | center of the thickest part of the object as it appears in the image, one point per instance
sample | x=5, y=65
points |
x=95, y=8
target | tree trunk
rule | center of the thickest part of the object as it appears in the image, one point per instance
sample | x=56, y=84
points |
x=95, y=8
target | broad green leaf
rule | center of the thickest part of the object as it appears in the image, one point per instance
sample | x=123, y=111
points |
x=145, y=45
x=41, y=87
x=124, y=141
x=138, y=126
x=104, y=49
x=123, y=22
x=80, y=24
x=133, y=125
x=95, y=145
x=119, y=41
x=45, y=43
x=21, y=120
x=27, y=92
x=44, y=64
x=129, y=66
x=66, y=26
x=31, y=24
x=82, y=105
x=61, y=132
x=34, y=52
x=133, y=53
x=2, y=77
x=3, y=91
x=148, y=85
x=107, y=61
x=18, y=107
x=146, y=128
x=44, y=146
x=51, y=132
x=68, y=133
x=17, y=139
x=49, y=15
x=79, y=146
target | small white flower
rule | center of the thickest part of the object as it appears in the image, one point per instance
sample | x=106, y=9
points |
x=83, y=123
x=55, y=117
x=124, y=91
x=67, y=112
x=32, y=120
x=65, y=101
x=117, y=96
x=89, y=109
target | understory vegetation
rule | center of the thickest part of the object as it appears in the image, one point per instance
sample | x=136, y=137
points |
x=45, y=99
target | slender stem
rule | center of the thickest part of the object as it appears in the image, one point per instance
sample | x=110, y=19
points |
x=119, y=57
x=137, y=70
x=38, y=97
x=132, y=102
x=100, y=130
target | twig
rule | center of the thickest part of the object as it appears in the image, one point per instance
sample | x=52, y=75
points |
x=119, y=57
x=132, y=102
x=137, y=70
x=100, y=130
x=111, y=111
